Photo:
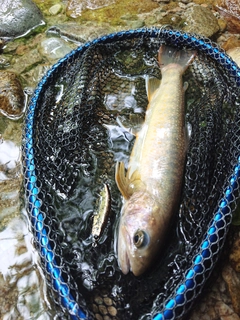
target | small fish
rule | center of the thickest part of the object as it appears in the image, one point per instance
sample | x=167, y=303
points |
x=101, y=216
x=152, y=185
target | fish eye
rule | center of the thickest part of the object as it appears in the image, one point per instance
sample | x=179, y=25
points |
x=140, y=239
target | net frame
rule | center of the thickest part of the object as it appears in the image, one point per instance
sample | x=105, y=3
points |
x=190, y=286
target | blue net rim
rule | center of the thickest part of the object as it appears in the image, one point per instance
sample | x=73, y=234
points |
x=179, y=298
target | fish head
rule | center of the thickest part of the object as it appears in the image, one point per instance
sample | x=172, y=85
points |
x=140, y=233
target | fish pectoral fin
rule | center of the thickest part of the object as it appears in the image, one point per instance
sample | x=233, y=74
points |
x=125, y=184
x=122, y=180
x=136, y=183
x=152, y=84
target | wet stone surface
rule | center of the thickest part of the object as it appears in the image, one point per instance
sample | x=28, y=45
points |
x=200, y=20
x=75, y=7
x=18, y=17
x=230, y=10
x=12, y=99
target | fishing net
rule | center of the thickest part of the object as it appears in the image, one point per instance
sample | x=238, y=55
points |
x=72, y=141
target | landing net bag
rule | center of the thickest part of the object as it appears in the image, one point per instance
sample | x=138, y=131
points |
x=72, y=141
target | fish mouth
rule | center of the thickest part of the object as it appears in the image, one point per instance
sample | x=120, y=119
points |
x=126, y=267
x=122, y=255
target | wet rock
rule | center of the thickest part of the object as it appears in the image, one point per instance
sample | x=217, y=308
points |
x=21, y=283
x=9, y=198
x=200, y=20
x=135, y=24
x=10, y=47
x=235, y=249
x=214, y=304
x=225, y=312
x=231, y=43
x=27, y=61
x=56, y=9
x=2, y=43
x=54, y=48
x=230, y=10
x=4, y=61
x=18, y=18
x=167, y=14
x=234, y=53
x=75, y=7
x=7, y=290
x=12, y=100
x=11, y=130
x=222, y=24
x=162, y=1
x=33, y=76
x=80, y=33
x=96, y=4
x=233, y=283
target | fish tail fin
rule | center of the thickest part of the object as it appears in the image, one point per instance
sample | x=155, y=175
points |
x=171, y=55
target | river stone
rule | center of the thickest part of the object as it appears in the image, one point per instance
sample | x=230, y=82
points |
x=216, y=302
x=27, y=61
x=12, y=99
x=232, y=279
x=232, y=47
x=80, y=33
x=18, y=18
x=230, y=10
x=54, y=48
x=234, y=257
x=200, y=20
x=55, y=9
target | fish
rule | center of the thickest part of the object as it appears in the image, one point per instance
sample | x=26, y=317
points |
x=102, y=214
x=151, y=187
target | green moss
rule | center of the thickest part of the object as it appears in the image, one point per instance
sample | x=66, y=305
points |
x=11, y=129
x=45, y=5
x=3, y=123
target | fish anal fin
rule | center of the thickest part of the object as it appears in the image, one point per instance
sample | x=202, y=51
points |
x=152, y=84
x=172, y=55
x=122, y=180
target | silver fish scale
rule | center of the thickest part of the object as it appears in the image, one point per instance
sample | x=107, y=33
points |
x=72, y=141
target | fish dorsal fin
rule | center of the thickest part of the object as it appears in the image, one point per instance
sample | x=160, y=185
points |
x=125, y=184
x=152, y=84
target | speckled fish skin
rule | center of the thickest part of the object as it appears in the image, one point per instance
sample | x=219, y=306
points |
x=153, y=182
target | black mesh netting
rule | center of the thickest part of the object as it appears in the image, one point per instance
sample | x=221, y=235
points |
x=73, y=144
